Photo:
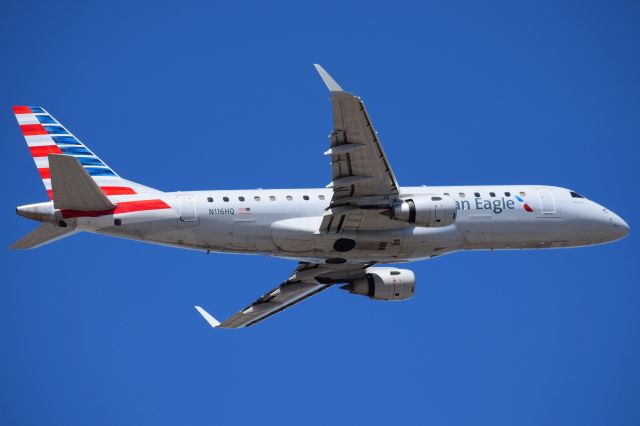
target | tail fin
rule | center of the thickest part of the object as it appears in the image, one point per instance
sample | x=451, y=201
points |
x=45, y=135
x=43, y=234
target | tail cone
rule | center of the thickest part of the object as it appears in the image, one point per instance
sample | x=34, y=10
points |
x=42, y=212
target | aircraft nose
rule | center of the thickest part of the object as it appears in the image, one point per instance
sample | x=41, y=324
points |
x=620, y=227
x=604, y=225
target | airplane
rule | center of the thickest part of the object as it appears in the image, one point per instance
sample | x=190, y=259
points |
x=338, y=234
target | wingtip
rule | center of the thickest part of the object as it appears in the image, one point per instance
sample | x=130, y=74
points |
x=327, y=79
x=208, y=317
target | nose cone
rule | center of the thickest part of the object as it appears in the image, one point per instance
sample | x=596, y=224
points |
x=609, y=227
x=620, y=227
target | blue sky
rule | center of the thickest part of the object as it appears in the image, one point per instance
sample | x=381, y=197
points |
x=206, y=95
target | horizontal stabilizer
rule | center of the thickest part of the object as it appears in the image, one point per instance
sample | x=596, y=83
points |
x=43, y=234
x=73, y=188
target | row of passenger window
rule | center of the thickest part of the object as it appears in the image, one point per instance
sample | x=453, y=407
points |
x=491, y=194
x=271, y=198
x=321, y=197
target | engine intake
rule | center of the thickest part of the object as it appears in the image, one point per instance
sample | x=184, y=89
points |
x=425, y=210
x=384, y=284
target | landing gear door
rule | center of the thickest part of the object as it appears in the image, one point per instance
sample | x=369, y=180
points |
x=188, y=212
x=547, y=206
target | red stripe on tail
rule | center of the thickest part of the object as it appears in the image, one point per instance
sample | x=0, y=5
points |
x=44, y=173
x=33, y=129
x=21, y=110
x=43, y=151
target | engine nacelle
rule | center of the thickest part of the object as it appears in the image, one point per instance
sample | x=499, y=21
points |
x=425, y=210
x=384, y=284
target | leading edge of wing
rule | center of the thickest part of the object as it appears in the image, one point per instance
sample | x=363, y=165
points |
x=328, y=80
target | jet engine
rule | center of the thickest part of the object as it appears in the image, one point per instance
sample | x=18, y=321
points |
x=425, y=210
x=384, y=284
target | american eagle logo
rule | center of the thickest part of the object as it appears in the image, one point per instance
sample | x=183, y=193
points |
x=524, y=204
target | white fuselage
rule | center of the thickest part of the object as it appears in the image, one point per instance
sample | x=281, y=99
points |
x=286, y=222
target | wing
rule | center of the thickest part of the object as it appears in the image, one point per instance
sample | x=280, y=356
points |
x=308, y=279
x=359, y=165
x=362, y=178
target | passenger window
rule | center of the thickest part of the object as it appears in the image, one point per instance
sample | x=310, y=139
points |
x=524, y=194
x=492, y=194
x=210, y=199
x=446, y=193
x=241, y=199
x=256, y=198
x=272, y=197
x=225, y=199
x=461, y=194
x=289, y=198
x=575, y=194
x=305, y=197
x=507, y=194
x=436, y=198
x=321, y=197
x=477, y=194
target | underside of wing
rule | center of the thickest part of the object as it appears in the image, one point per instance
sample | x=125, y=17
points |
x=308, y=280
x=363, y=182
x=358, y=163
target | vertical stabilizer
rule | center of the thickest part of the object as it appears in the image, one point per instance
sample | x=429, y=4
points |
x=45, y=135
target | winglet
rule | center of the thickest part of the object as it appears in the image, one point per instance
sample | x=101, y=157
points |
x=328, y=80
x=211, y=320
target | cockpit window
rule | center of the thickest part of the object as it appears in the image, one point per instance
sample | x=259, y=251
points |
x=575, y=194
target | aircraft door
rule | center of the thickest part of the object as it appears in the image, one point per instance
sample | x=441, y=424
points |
x=547, y=207
x=188, y=212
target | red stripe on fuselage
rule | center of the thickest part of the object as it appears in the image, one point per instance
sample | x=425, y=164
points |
x=123, y=207
x=108, y=190
x=33, y=129
x=43, y=151
x=21, y=110
x=117, y=190
x=136, y=206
